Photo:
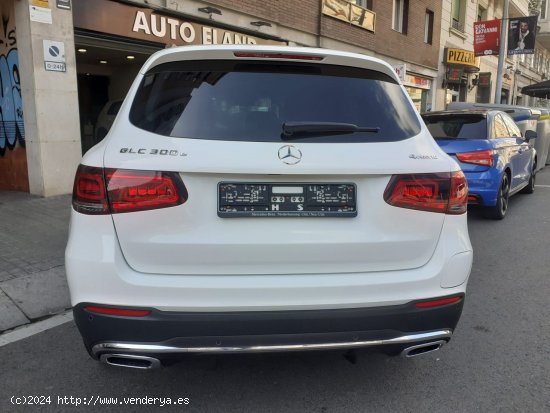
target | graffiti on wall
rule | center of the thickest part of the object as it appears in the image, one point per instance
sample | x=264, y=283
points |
x=12, y=130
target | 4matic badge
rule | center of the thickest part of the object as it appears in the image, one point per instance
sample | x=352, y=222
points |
x=412, y=156
x=144, y=151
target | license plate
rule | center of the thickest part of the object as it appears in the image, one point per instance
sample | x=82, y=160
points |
x=236, y=199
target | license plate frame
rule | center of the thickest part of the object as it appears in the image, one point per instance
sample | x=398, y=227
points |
x=284, y=199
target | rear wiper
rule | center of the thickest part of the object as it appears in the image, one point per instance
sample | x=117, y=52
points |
x=296, y=128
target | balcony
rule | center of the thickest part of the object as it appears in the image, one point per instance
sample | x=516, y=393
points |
x=458, y=25
x=349, y=12
x=519, y=8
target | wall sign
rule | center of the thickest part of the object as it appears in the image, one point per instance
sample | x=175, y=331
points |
x=349, y=12
x=40, y=3
x=40, y=14
x=454, y=75
x=418, y=82
x=466, y=59
x=484, y=79
x=54, y=56
x=146, y=24
x=64, y=4
x=401, y=70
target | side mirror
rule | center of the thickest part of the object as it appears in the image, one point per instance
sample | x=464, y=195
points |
x=530, y=134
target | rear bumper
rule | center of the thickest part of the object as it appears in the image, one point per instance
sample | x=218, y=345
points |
x=98, y=273
x=483, y=186
x=162, y=333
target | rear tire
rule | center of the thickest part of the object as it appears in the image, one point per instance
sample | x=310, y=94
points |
x=499, y=210
x=530, y=188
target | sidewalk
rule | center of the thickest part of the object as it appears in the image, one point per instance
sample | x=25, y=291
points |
x=33, y=235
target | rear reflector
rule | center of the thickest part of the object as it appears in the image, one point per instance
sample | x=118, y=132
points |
x=278, y=56
x=444, y=192
x=438, y=303
x=483, y=158
x=125, y=312
x=110, y=191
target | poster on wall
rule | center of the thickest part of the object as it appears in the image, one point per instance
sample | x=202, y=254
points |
x=521, y=35
x=487, y=37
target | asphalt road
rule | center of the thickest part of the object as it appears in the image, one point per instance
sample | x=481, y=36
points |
x=497, y=361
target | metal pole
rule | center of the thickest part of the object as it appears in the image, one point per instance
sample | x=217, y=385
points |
x=502, y=51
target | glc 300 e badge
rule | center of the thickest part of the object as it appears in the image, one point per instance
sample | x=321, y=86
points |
x=145, y=151
x=290, y=155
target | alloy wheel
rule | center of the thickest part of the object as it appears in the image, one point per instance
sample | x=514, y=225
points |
x=504, y=194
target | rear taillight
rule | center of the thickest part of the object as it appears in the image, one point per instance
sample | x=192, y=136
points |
x=445, y=192
x=483, y=158
x=130, y=190
x=105, y=191
x=89, y=194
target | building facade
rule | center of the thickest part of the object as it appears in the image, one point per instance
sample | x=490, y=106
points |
x=525, y=70
x=66, y=65
x=536, y=68
x=471, y=79
x=462, y=76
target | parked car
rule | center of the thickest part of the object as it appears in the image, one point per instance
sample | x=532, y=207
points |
x=496, y=159
x=525, y=117
x=105, y=119
x=263, y=198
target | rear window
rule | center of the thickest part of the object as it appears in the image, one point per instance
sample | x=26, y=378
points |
x=250, y=101
x=457, y=126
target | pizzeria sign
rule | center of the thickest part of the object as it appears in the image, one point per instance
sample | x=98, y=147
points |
x=461, y=57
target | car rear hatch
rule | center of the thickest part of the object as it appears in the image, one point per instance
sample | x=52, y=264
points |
x=461, y=135
x=218, y=125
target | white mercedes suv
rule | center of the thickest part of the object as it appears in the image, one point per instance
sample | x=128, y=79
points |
x=254, y=199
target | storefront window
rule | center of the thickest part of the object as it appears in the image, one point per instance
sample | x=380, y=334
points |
x=504, y=96
x=483, y=95
x=419, y=97
x=452, y=93
x=418, y=88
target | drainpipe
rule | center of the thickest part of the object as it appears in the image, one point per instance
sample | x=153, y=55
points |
x=320, y=22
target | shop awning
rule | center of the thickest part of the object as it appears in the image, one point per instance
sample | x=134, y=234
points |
x=538, y=90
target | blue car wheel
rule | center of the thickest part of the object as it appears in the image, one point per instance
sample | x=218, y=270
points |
x=499, y=210
x=530, y=188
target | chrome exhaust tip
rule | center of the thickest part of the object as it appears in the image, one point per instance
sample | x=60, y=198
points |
x=131, y=361
x=423, y=348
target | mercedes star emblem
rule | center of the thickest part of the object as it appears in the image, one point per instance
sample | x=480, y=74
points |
x=290, y=155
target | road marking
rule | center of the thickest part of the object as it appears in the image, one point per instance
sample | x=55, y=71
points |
x=543, y=186
x=35, y=328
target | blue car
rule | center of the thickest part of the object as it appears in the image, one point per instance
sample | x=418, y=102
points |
x=496, y=158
